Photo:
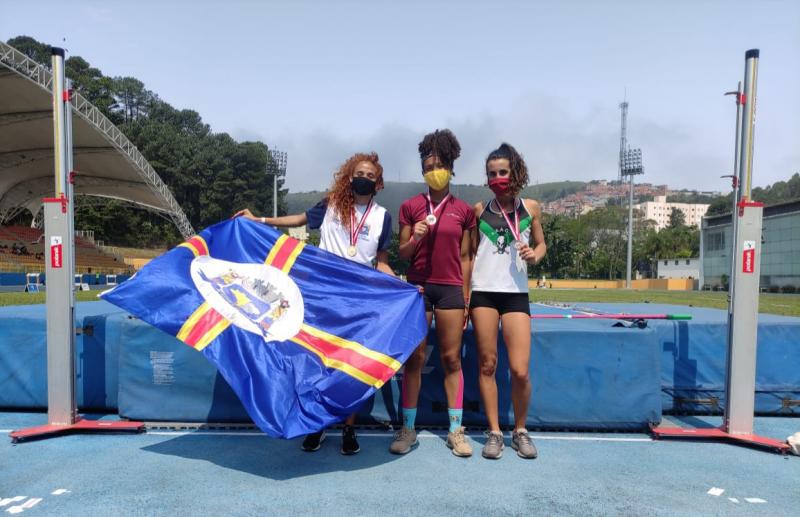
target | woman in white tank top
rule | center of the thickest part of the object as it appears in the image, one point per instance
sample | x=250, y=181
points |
x=509, y=238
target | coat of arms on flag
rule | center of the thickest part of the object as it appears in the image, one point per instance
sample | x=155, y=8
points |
x=302, y=336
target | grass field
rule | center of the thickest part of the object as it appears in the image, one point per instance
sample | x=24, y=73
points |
x=783, y=304
x=33, y=298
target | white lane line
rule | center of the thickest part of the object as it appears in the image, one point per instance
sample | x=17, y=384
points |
x=16, y=499
x=59, y=491
x=423, y=434
x=754, y=500
x=5, y=431
x=733, y=500
x=716, y=491
x=30, y=503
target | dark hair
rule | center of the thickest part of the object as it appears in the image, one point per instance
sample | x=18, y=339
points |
x=444, y=144
x=519, y=171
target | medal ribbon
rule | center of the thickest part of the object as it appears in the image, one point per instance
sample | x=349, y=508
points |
x=515, y=228
x=355, y=229
x=431, y=209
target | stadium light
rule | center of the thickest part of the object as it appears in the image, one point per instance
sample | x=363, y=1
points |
x=276, y=167
x=631, y=166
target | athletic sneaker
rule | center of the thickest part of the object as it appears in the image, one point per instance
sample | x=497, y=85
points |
x=457, y=441
x=349, y=442
x=313, y=441
x=493, y=448
x=523, y=444
x=404, y=440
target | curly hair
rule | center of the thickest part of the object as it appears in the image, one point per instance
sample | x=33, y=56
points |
x=519, y=171
x=340, y=195
x=442, y=143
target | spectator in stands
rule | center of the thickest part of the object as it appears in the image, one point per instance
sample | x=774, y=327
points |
x=500, y=292
x=353, y=226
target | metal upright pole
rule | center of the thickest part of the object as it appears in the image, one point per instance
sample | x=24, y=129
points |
x=746, y=272
x=275, y=193
x=630, y=234
x=736, y=184
x=59, y=232
x=59, y=264
x=747, y=217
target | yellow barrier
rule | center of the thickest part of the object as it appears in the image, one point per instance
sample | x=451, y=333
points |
x=663, y=284
x=137, y=263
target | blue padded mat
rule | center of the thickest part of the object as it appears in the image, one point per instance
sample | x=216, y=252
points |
x=23, y=357
x=693, y=356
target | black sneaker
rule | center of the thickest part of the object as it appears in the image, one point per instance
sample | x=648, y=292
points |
x=313, y=441
x=349, y=442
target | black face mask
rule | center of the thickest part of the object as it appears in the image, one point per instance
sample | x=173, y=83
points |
x=363, y=186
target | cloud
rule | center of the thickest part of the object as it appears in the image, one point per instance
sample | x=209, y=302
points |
x=558, y=142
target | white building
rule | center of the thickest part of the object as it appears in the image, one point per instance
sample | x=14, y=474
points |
x=300, y=233
x=659, y=211
x=678, y=268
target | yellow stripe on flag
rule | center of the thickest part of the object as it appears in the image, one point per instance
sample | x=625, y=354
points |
x=339, y=365
x=355, y=347
x=276, y=248
x=189, y=324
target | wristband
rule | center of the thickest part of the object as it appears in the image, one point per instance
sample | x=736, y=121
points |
x=263, y=220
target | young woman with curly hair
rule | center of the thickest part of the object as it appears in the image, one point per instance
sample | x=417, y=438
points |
x=352, y=225
x=435, y=235
x=509, y=238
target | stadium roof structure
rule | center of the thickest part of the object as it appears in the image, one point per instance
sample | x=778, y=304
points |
x=107, y=164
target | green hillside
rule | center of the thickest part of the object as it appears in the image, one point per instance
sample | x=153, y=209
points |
x=394, y=194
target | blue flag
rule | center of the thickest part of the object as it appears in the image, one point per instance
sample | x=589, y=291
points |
x=302, y=336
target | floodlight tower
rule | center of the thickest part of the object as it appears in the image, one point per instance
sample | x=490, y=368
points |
x=277, y=167
x=631, y=166
x=623, y=137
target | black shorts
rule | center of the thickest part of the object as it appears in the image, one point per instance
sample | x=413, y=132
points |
x=502, y=302
x=441, y=296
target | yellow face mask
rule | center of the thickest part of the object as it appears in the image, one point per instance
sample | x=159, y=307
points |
x=437, y=179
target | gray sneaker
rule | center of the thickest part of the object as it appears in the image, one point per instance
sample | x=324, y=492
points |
x=404, y=440
x=493, y=448
x=523, y=444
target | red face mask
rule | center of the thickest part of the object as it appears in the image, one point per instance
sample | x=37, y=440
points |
x=500, y=185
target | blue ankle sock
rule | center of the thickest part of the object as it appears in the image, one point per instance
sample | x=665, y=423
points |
x=409, y=415
x=455, y=418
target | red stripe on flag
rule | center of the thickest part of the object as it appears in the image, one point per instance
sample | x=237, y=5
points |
x=365, y=364
x=284, y=252
x=203, y=325
x=199, y=245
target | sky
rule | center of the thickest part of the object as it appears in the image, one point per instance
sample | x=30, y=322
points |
x=323, y=80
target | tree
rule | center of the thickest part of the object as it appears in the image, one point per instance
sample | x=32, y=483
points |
x=677, y=218
x=210, y=174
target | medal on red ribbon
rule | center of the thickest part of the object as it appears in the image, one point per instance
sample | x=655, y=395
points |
x=352, y=250
x=513, y=227
x=432, y=211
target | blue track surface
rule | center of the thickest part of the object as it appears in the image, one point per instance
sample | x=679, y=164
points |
x=246, y=473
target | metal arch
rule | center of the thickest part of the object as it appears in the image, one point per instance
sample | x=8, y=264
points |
x=40, y=75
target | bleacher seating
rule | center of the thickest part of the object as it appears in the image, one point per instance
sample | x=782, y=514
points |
x=88, y=257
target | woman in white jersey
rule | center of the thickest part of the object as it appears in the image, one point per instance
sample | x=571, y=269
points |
x=352, y=225
x=509, y=238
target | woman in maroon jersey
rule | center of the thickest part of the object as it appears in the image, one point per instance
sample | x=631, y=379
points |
x=435, y=235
